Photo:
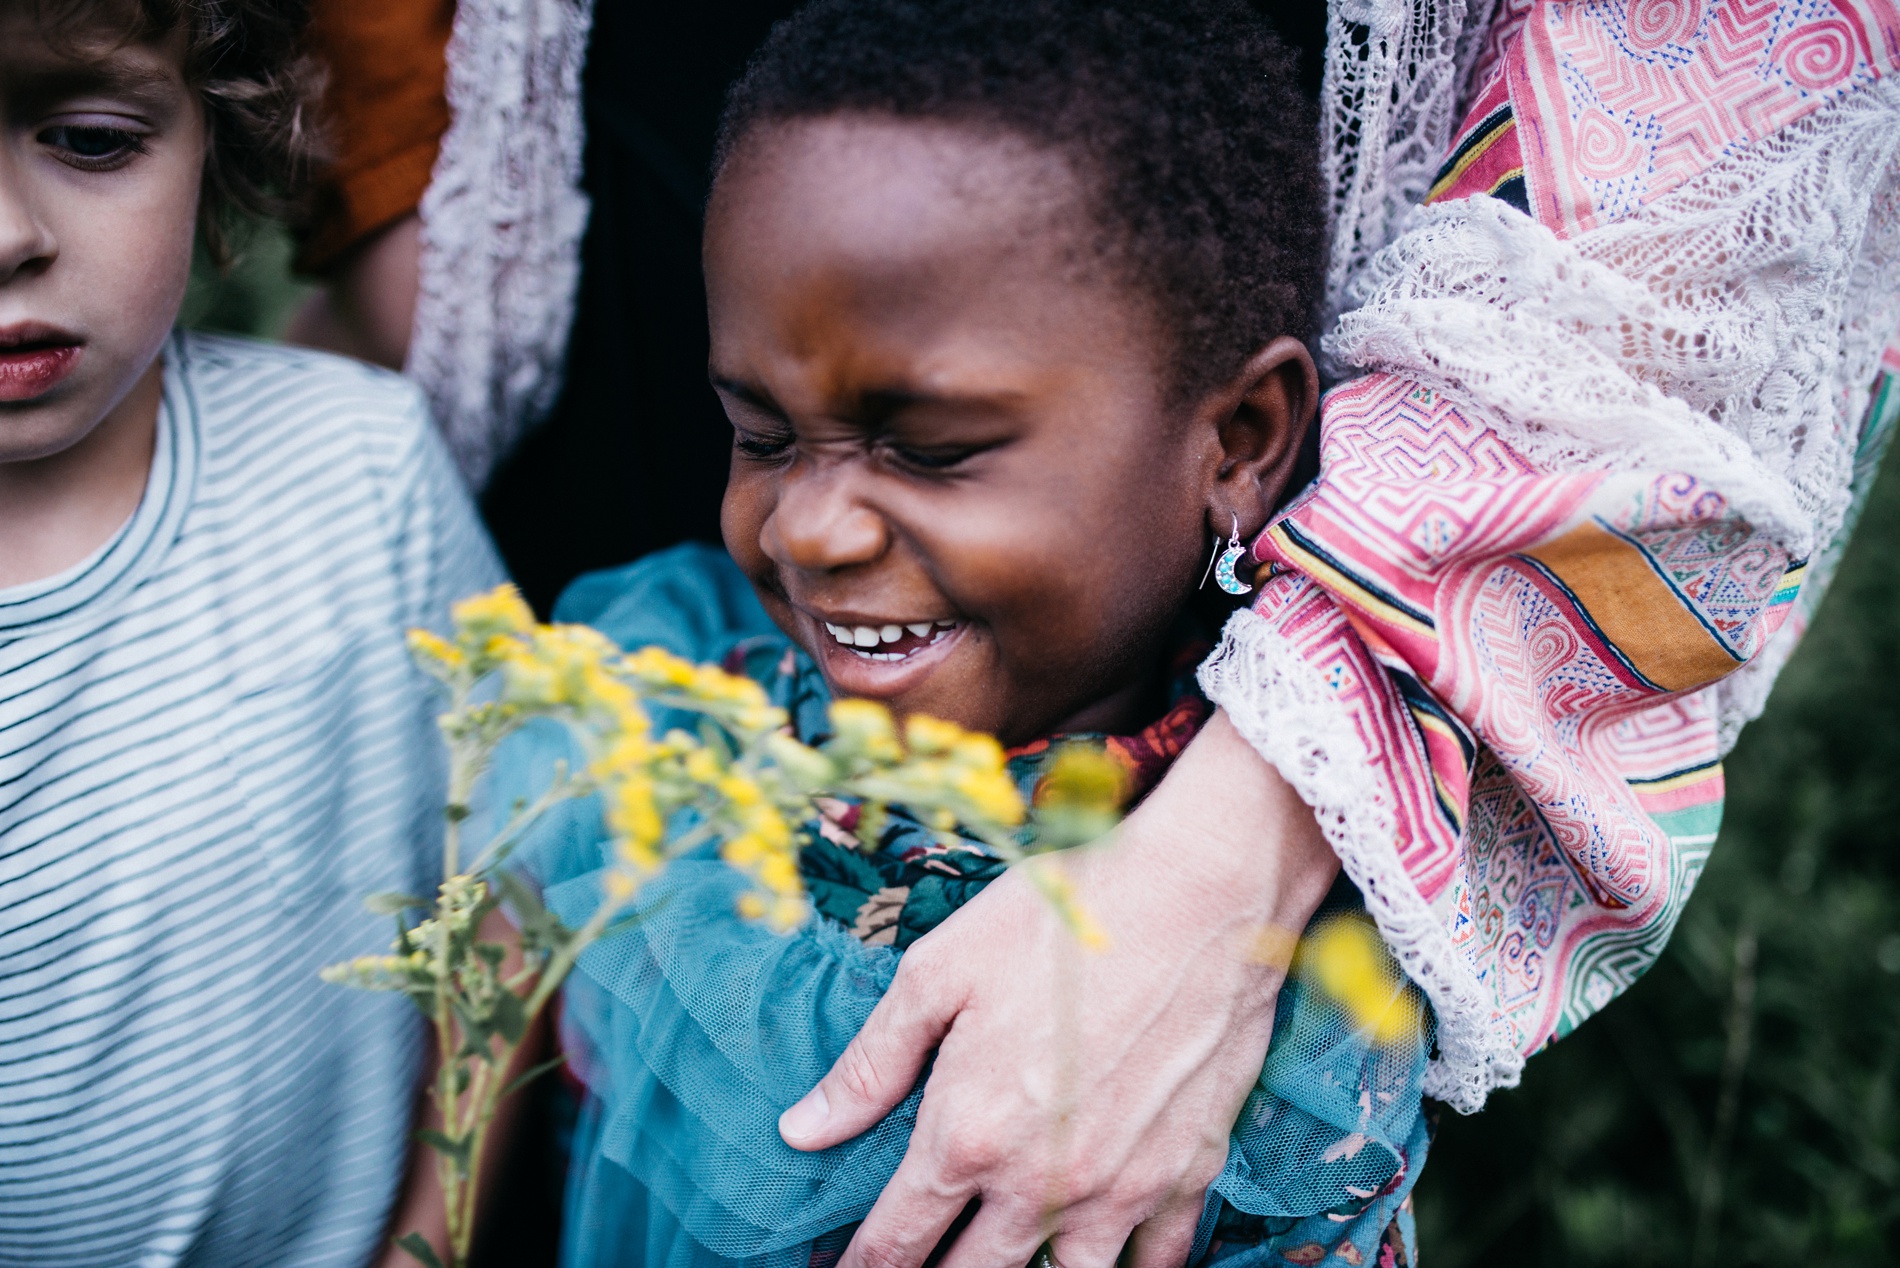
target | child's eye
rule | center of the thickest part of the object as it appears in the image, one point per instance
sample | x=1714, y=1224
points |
x=91, y=146
x=753, y=445
x=934, y=459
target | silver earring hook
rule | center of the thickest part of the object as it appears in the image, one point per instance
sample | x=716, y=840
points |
x=1215, y=554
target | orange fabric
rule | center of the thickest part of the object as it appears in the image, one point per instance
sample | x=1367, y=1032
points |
x=385, y=110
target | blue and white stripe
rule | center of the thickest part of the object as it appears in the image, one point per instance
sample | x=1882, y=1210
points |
x=212, y=746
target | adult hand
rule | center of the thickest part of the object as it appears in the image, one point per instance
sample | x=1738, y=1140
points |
x=1085, y=1097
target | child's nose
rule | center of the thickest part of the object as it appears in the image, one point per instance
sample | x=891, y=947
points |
x=25, y=238
x=819, y=526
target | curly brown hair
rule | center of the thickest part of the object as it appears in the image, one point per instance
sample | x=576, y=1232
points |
x=259, y=88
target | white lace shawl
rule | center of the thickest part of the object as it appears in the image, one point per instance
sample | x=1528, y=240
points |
x=501, y=226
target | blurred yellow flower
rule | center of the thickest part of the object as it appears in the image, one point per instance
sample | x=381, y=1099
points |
x=1347, y=959
x=864, y=728
x=437, y=654
x=499, y=611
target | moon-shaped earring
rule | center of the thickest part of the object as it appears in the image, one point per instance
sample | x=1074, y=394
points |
x=1224, y=570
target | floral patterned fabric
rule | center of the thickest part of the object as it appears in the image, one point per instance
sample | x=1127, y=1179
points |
x=1505, y=637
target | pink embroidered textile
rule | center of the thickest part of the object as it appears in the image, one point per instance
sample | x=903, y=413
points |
x=1619, y=397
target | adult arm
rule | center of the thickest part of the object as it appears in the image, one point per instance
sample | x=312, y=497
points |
x=1087, y=1095
x=385, y=110
x=366, y=304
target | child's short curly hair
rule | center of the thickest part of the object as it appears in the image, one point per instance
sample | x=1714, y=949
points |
x=1185, y=117
x=246, y=60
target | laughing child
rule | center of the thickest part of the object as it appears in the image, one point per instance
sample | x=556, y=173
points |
x=211, y=740
x=1008, y=305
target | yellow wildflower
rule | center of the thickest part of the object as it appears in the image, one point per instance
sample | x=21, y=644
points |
x=1348, y=961
x=436, y=654
x=769, y=825
x=751, y=906
x=932, y=736
x=632, y=812
x=702, y=767
x=627, y=752
x=865, y=728
x=807, y=767
x=620, y=886
x=500, y=611
x=1082, y=776
x=787, y=913
x=641, y=856
x=779, y=874
x=743, y=850
x=992, y=794
x=659, y=667
x=740, y=790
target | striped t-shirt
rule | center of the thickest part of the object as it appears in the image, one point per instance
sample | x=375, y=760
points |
x=212, y=747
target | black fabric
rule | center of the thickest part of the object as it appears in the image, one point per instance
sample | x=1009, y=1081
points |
x=633, y=457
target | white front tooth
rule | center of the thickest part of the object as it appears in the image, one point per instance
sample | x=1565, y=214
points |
x=838, y=632
x=920, y=628
x=864, y=636
x=891, y=633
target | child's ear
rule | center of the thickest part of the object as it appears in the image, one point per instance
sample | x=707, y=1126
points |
x=1263, y=416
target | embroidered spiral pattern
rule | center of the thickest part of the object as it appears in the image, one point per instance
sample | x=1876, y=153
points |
x=1654, y=23
x=1819, y=55
x=1604, y=150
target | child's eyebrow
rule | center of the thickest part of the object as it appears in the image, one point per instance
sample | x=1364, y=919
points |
x=117, y=76
x=756, y=397
x=869, y=407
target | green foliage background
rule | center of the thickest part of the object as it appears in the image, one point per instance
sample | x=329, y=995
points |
x=1738, y=1106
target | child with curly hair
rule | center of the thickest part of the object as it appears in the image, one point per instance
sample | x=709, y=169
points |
x=211, y=740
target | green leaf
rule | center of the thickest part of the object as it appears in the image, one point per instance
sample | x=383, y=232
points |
x=419, y=1249
x=442, y=1144
x=510, y=1017
x=393, y=903
x=530, y=1075
x=522, y=898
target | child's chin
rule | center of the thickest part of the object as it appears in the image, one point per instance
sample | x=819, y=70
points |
x=850, y=673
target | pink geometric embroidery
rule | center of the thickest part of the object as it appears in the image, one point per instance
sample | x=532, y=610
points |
x=1624, y=100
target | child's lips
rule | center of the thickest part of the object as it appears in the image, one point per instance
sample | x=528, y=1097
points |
x=32, y=369
x=890, y=666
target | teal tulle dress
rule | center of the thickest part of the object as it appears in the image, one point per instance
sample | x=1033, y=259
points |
x=694, y=1030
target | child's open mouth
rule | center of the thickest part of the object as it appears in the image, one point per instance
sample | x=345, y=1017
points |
x=890, y=642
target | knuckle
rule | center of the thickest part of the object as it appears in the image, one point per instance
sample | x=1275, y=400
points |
x=965, y=1157
x=857, y=1074
x=879, y=1250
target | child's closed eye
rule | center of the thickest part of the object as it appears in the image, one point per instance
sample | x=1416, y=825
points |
x=761, y=445
x=933, y=458
x=93, y=145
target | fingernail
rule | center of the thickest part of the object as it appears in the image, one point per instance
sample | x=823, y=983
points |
x=803, y=1120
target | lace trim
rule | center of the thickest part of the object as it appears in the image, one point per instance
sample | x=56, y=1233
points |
x=501, y=226
x=1391, y=100
x=1731, y=329
x=1291, y=717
